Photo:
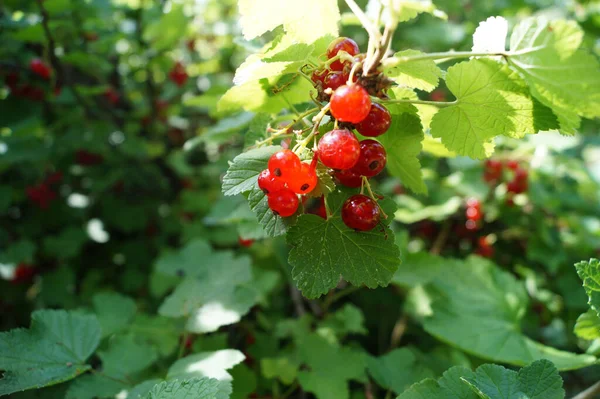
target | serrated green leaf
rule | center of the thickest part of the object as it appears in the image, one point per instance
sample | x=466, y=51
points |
x=491, y=100
x=95, y=386
x=539, y=380
x=559, y=75
x=589, y=273
x=397, y=370
x=260, y=16
x=348, y=320
x=166, y=31
x=420, y=268
x=126, y=356
x=273, y=225
x=410, y=210
x=478, y=308
x=161, y=332
x=325, y=250
x=242, y=175
x=206, y=364
x=588, y=325
x=114, y=311
x=403, y=145
x=142, y=389
x=53, y=350
x=419, y=74
x=282, y=368
x=197, y=388
x=257, y=130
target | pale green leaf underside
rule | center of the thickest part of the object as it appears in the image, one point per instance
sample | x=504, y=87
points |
x=559, y=75
x=196, y=388
x=589, y=273
x=478, y=308
x=206, y=364
x=491, y=100
x=323, y=251
x=422, y=74
x=53, y=350
x=588, y=325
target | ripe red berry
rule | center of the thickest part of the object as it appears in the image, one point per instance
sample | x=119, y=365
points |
x=517, y=186
x=512, y=164
x=360, y=212
x=178, y=74
x=473, y=214
x=348, y=178
x=23, y=273
x=40, y=68
x=334, y=80
x=341, y=44
x=350, y=103
x=485, y=249
x=112, y=96
x=283, y=203
x=521, y=174
x=376, y=123
x=339, y=149
x=245, y=243
x=473, y=203
x=269, y=183
x=437, y=95
x=284, y=164
x=304, y=180
x=88, y=158
x=492, y=171
x=372, y=158
x=319, y=76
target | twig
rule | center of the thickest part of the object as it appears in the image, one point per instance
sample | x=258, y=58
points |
x=440, y=240
x=371, y=29
x=409, y=101
x=398, y=331
x=589, y=393
x=297, y=299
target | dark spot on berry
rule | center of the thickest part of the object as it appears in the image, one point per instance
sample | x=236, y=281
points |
x=374, y=165
x=277, y=172
x=305, y=187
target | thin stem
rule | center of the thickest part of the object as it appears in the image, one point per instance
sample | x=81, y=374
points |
x=408, y=101
x=440, y=240
x=353, y=72
x=364, y=20
x=589, y=393
x=339, y=295
x=317, y=121
x=395, y=61
x=290, y=390
x=381, y=50
x=365, y=183
x=184, y=339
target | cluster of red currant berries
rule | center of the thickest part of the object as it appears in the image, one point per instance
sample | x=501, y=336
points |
x=494, y=173
x=473, y=214
x=286, y=177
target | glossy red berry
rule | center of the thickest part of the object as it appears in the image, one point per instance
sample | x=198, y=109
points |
x=178, y=75
x=348, y=178
x=484, y=249
x=283, y=203
x=360, y=212
x=269, y=183
x=341, y=44
x=372, y=158
x=334, y=80
x=521, y=174
x=517, y=186
x=350, y=103
x=40, y=68
x=321, y=211
x=304, y=180
x=319, y=76
x=247, y=243
x=339, y=149
x=376, y=123
x=473, y=214
x=284, y=164
x=473, y=203
x=23, y=273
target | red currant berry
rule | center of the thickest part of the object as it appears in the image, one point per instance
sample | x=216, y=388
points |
x=348, y=178
x=473, y=214
x=437, y=95
x=521, y=174
x=284, y=164
x=372, y=158
x=335, y=80
x=23, y=273
x=341, y=44
x=350, y=103
x=283, y=203
x=473, y=203
x=319, y=76
x=485, y=249
x=513, y=165
x=360, y=212
x=492, y=171
x=112, y=96
x=517, y=186
x=269, y=183
x=339, y=149
x=376, y=123
x=245, y=243
x=304, y=180
x=40, y=68
x=178, y=75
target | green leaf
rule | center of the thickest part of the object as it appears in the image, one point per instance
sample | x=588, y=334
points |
x=405, y=10
x=67, y=244
x=282, y=368
x=325, y=378
x=53, y=350
x=206, y=364
x=166, y=31
x=325, y=250
x=539, y=380
x=478, y=308
x=418, y=74
x=589, y=273
x=491, y=100
x=411, y=210
x=403, y=145
x=450, y=386
x=588, y=325
x=126, y=356
x=95, y=386
x=142, y=389
x=272, y=224
x=397, y=370
x=242, y=175
x=348, y=320
x=197, y=388
x=420, y=268
x=114, y=311
x=161, y=332
x=260, y=16
x=559, y=75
